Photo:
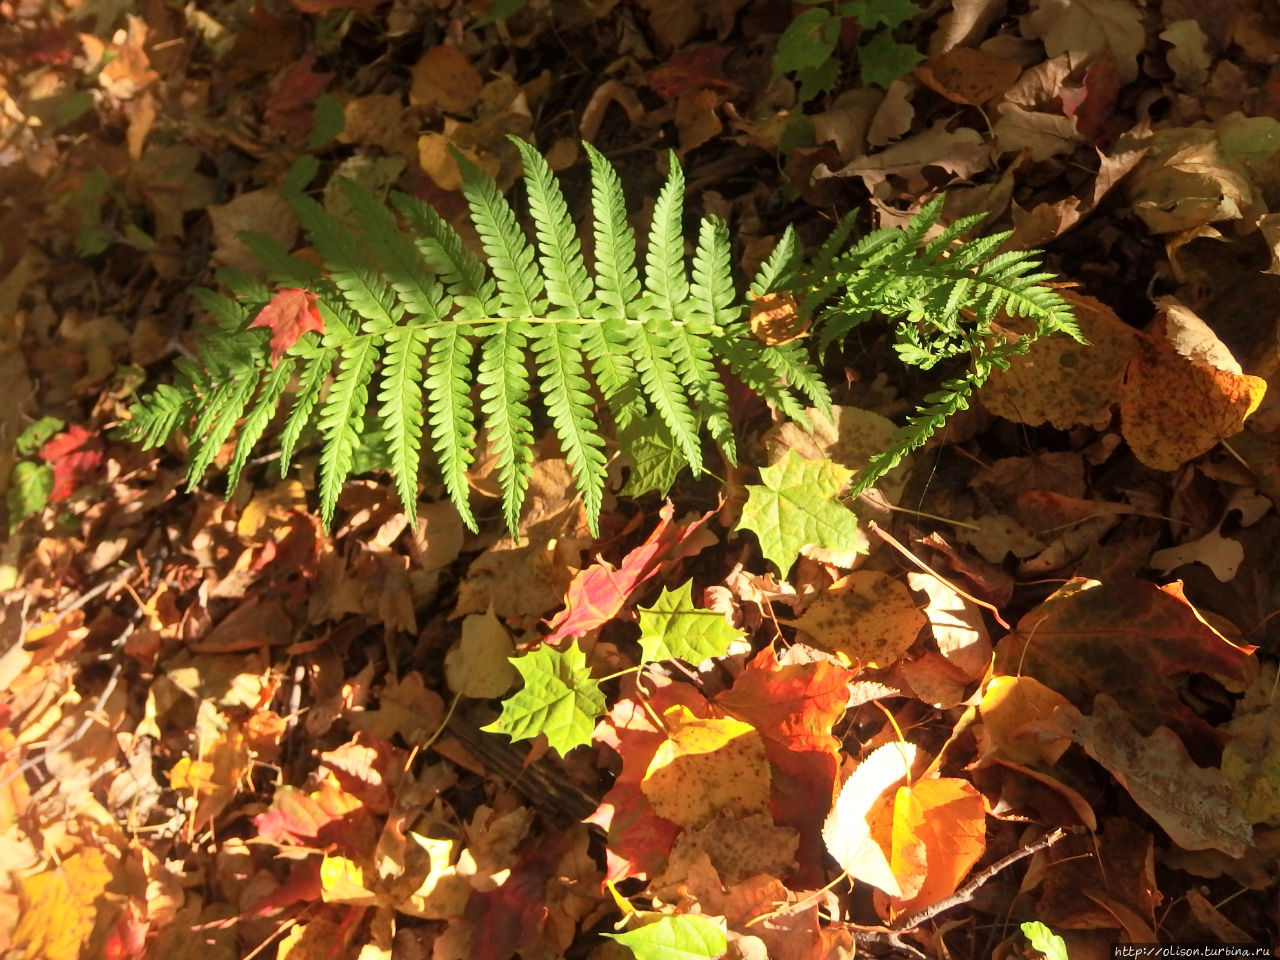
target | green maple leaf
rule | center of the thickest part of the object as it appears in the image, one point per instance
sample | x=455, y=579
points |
x=871, y=13
x=882, y=59
x=688, y=936
x=674, y=629
x=559, y=698
x=797, y=506
x=656, y=460
x=807, y=42
x=1045, y=940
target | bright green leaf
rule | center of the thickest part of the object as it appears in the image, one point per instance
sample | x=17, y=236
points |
x=37, y=434
x=797, y=507
x=684, y=937
x=559, y=699
x=1045, y=940
x=29, y=487
x=674, y=629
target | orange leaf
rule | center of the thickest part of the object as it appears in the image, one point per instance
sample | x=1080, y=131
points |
x=848, y=830
x=288, y=315
x=60, y=904
x=794, y=707
x=939, y=832
x=1183, y=392
x=775, y=319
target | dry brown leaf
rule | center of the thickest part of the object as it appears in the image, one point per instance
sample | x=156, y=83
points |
x=957, y=624
x=1084, y=29
x=968, y=75
x=1186, y=182
x=1042, y=135
x=1189, y=59
x=1222, y=555
x=963, y=152
x=966, y=21
x=444, y=78
x=479, y=664
x=259, y=211
x=1194, y=805
x=894, y=114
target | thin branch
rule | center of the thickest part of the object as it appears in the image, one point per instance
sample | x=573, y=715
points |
x=965, y=893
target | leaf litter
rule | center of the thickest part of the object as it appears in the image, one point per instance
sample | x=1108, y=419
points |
x=224, y=726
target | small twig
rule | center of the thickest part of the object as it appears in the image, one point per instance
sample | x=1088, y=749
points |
x=965, y=893
x=889, y=539
x=90, y=717
x=80, y=601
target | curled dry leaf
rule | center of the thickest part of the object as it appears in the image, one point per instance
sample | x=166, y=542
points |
x=957, y=624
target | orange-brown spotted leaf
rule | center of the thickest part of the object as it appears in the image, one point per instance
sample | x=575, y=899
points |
x=868, y=618
x=968, y=75
x=288, y=315
x=706, y=766
x=939, y=832
x=1061, y=381
x=1183, y=392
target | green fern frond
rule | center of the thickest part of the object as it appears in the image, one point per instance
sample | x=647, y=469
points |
x=449, y=342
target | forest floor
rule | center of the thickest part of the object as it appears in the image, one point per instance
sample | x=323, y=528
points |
x=1044, y=691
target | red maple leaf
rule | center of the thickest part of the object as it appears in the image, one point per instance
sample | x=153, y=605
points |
x=290, y=110
x=639, y=840
x=794, y=708
x=288, y=315
x=74, y=455
x=598, y=593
